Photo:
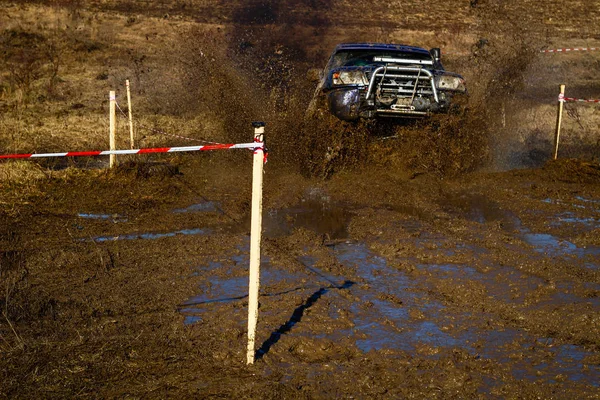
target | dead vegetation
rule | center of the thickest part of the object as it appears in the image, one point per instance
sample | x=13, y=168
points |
x=209, y=81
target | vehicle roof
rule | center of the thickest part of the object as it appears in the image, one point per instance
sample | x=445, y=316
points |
x=380, y=46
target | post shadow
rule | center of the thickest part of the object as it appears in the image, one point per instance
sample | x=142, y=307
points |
x=245, y=296
x=295, y=318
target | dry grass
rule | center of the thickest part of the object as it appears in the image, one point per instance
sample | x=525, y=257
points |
x=96, y=56
x=21, y=172
x=99, y=49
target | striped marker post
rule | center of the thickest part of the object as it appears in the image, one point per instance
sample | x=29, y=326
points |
x=255, y=236
x=112, y=97
x=561, y=102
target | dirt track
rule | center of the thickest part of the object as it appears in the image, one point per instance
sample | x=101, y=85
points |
x=373, y=285
x=414, y=263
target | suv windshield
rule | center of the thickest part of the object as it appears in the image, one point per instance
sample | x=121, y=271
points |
x=346, y=58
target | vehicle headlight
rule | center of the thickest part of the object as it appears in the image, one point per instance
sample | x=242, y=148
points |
x=450, y=82
x=349, y=78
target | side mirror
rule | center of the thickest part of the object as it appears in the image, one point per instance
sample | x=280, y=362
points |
x=314, y=75
x=436, y=53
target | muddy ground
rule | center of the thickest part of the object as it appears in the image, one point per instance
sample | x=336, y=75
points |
x=450, y=258
x=374, y=284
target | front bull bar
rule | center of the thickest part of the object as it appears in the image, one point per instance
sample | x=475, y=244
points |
x=385, y=69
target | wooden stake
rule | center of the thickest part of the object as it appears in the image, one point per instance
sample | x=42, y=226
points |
x=561, y=104
x=132, y=139
x=255, y=235
x=113, y=102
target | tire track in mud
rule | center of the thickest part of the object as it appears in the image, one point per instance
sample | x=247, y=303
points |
x=390, y=310
x=420, y=310
x=425, y=324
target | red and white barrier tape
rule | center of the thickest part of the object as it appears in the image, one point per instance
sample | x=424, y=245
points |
x=569, y=50
x=547, y=51
x=252, y=146
x=562, y=98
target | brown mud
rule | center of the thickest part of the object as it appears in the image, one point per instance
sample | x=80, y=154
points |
x=447, y=258
x=373, y=285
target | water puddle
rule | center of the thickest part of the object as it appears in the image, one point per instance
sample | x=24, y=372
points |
x=393, y=310
x=223, y=290
x=560, y=202
x=570, y=218
x=479, y=209
x=228, y=282
x=150, y=236
x=585, y=203
x=389, y=297
x=206, y=206
x=548, y=243
x=586, y=200
x=413, y=320
x=551, y=245
x=104, y=217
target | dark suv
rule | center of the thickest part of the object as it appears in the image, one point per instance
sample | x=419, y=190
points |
x=369, y=80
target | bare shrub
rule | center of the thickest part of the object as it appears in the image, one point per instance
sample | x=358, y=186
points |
x=22, y=57
x=29, y=57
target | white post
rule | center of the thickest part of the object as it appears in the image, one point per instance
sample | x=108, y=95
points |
x=255, y=234
x=112, y=109
x=132, y=140
x=561, y=102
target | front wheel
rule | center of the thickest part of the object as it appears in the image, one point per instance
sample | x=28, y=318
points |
x=344, y=104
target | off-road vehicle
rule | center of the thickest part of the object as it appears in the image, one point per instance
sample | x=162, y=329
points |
x=370, y=80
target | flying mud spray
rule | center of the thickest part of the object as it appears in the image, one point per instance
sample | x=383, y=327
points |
x=257, y=69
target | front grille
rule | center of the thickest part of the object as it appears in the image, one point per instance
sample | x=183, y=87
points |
x=400, y=82
x=404, y=85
